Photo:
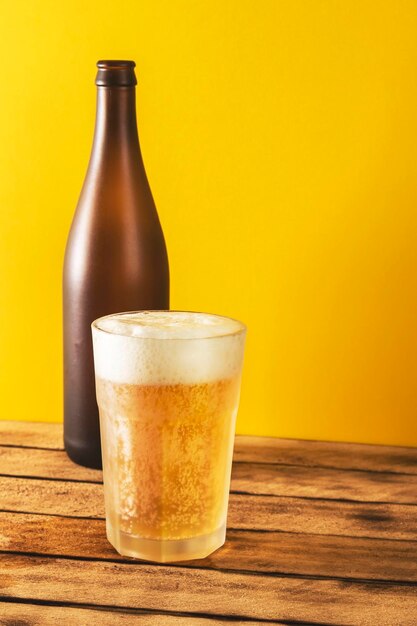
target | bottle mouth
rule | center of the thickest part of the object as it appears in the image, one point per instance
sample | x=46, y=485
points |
x=116, y=73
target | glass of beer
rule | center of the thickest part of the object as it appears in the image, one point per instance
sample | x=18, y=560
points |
x=168, y=385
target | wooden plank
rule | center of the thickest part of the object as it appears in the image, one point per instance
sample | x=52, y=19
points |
x=254, y=449
x=257, y=449
x=139, y=585
x=42, y=463
x=17, y=614
x=56, y=497
x=87, y=500
x=337, y=455
x=31, y=434
x=50, y=436
x=74, y=537
x=285, y=553
x=254, y=478
x=180, y=589
x=307, y=482
x=324, y=517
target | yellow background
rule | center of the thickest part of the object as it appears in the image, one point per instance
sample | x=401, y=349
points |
x=280, y=142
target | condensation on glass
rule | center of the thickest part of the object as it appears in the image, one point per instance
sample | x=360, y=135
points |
x=168, y=386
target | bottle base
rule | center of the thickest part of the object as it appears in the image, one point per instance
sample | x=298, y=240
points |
x=165, y=551
x=83, y=455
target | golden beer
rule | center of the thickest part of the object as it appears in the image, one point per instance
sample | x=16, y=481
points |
x=167, y=431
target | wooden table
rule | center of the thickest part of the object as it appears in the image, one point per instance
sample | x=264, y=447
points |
x=319, y=533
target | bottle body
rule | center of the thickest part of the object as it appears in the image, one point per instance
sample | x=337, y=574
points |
x=115, y=260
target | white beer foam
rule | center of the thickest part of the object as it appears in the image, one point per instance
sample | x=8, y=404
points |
x=167, y=347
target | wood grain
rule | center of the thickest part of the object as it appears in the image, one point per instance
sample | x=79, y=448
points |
x=16, y=614
x=181, y=589
x=272, y=450
x=254, y=478
x=387, y=521
x=56, y=497
x=353, y=456
x=285, y=553
x=87, y=500
x=42, y=463
x=318, y=532
x=139, y=585
x=50, y=436
x=31, y=434
x=73, y=537
x=305, y=482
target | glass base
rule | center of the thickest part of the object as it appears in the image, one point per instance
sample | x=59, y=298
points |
x=165, y=551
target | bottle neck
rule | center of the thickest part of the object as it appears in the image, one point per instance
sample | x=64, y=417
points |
x=116, y=127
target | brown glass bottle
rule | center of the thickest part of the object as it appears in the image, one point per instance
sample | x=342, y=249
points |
x=115, y=258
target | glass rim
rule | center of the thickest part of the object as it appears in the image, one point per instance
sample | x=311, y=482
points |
x=242, y=328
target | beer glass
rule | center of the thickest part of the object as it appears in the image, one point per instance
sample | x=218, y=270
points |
x=168, y=385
